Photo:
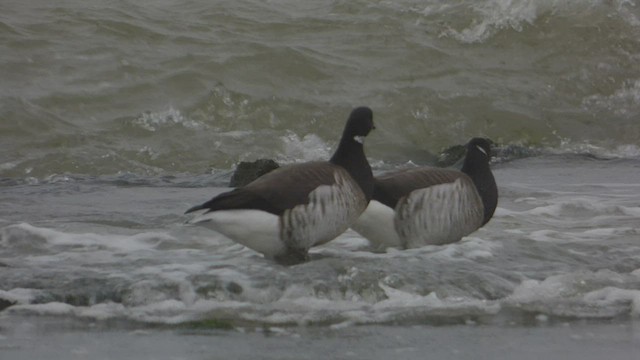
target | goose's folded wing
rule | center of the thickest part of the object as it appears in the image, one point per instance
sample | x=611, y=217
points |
x=389, y=188
x=279, y=190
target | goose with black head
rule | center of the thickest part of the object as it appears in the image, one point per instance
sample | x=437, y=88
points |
x=284, y=213
x=431, y=206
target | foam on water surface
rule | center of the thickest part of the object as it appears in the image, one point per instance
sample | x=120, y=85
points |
x=502, y=269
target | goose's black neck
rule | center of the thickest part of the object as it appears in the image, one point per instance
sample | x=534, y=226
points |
x=476, y=165
x=350, y=155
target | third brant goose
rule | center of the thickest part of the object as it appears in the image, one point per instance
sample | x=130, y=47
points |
x=431, y=206
x=287, y=211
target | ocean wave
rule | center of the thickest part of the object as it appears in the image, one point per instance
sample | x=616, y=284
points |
x=484, y=19
x=618, y=151
x=624, y=101
x=579, y=295
x=308, y=148
x=152, y=121
x=30, y=238
x=162, y=90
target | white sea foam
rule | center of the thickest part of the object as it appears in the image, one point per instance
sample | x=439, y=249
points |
x=402, y=304
x=624, y=151
x=624, y=102
x=574, y=207
x=308, y=148
x=50, y=237
x=589, y=294
x=8, y=165
x=592, y=235
x=103, y=311
x=491, y=16
x=494, y=16
x=153, y=121
x=473, y=248
x=162, y=277
x=51, y=308
x=19, y=295
x=609, y=295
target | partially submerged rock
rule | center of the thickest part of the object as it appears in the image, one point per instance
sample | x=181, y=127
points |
x=247, y=171
x=451, y=155
x=454, y=155
x=4, y=303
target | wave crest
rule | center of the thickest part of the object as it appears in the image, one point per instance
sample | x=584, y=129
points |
x=484, y=19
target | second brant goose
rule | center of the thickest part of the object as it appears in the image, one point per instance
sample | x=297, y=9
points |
x=284, y=213
x=431, y=206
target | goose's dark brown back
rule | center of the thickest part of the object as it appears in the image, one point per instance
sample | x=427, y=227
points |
x=391, y=187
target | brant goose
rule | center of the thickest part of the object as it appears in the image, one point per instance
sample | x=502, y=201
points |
x=431, y=206
x=290, y=209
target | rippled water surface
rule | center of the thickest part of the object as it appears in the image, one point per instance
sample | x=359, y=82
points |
x=160, y=87
x=116, y=117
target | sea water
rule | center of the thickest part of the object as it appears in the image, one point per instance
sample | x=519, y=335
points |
x=117, y=117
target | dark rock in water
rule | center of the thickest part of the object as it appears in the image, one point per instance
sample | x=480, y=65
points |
x=246, y=172
x=234, y=288
x=510, y=152
x=4, y=303
x=451, y=155
x=454, y=155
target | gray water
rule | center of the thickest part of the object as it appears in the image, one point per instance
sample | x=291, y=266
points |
x=166, y=87
x=54, y=339
x=116, y=117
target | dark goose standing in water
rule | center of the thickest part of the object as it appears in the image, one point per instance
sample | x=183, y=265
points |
x=431, y=206
x=287, y=211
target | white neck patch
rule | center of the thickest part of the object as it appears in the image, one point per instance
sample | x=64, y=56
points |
x=359, y=139
x=481, y=149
